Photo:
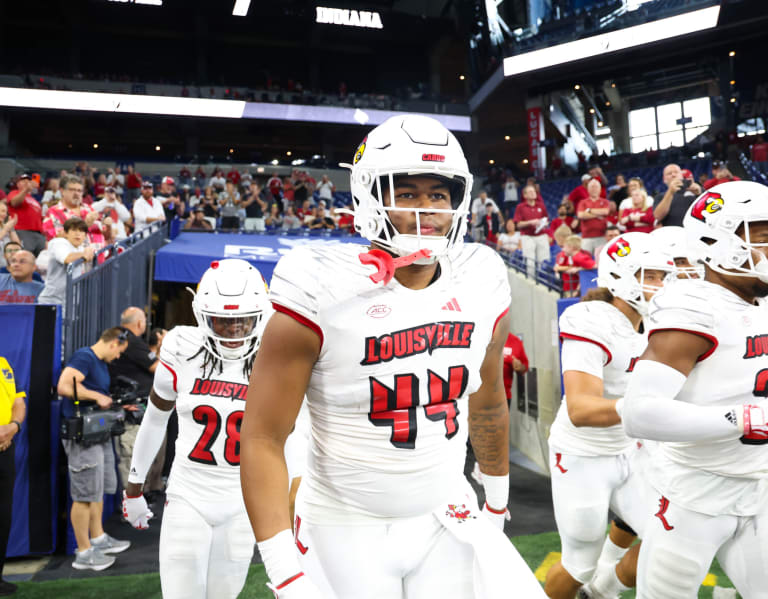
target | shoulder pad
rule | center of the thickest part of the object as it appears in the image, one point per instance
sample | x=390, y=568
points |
x=595, y=321
x=685, y=304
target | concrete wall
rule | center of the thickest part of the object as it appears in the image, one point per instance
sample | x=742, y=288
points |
x=534, y=318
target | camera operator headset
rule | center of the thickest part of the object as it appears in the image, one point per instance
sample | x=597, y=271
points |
x=87, y=427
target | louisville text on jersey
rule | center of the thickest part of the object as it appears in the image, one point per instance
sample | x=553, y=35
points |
x=757, y=345
x=417, y=340
x=219, y=389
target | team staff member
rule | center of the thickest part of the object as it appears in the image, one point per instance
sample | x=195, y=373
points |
x=12, y=412
x=92, y=468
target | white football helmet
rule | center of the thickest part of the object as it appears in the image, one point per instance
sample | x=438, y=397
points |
x=713, y=220
x=622, y=266
x=673, y=241
x=408, y=145
x=231, y=306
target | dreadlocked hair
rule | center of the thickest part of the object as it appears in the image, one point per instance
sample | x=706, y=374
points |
x=598, y=294
x=211, y=361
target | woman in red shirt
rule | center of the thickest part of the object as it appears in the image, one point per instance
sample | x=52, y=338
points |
x=637, y=218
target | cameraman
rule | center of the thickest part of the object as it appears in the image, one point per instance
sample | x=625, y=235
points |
x=92, y=468
x=138, y=363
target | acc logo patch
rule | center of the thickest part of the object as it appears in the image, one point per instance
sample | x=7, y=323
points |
x=360, y=151
x=709, y=203
x=619, y=249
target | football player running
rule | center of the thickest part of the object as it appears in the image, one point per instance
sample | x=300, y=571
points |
x=396, y=372
x=700, y=389
x=206, y=542
x=589, y=453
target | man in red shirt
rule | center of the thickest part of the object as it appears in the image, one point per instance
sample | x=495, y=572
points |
x=22, y=205
x=234, y=176
x=569, y=262
x=592, y=213
x=132, y=186
x=531, y=220
x=580, y=193
x=721, y=175
x=71, y=205
x=515, y=361
x=759, y=154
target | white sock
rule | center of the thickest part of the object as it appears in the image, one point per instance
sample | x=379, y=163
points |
x=607, y=583
x=611, y=552
x=100, y=538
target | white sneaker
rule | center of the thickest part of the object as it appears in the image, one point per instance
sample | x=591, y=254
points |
x=92, y=559
x=110, y=544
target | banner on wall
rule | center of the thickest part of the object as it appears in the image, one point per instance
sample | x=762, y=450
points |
x=535, y=149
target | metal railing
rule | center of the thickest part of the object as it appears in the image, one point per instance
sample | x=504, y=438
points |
x=121, y=277
x=541, y=272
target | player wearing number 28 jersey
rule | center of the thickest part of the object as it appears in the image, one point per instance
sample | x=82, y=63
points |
x=206, y=543
x=398, y=367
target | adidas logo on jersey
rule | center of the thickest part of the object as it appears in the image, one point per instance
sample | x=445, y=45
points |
x=731, y=417
x=452, y=305
x=417, y=340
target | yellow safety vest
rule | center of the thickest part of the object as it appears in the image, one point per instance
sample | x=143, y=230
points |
x=8, y=392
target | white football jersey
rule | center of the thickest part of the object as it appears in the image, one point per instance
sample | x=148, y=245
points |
x=715, y=476
x=602, y=325
x=387, y=395
x=210, y=410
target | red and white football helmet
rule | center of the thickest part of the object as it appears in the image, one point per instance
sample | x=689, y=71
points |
x=673, y=241
x=713, y=220
x=408, y=145
x=231, y=306
x=622, y=266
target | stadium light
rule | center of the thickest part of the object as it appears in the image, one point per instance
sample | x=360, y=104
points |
x=241, y=8
x=157, y=148
x=525, y=161
x=461, y=77
x=731, y=53
x=613, y=41
x=288, y=153
x=491, y=161
x=506, y=137
x=95, y=146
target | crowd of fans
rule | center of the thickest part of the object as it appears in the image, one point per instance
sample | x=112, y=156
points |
x=48, y=223
x=592, y=214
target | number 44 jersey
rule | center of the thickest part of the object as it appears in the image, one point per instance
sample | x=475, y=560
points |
x=210, y=408
x=388, y=394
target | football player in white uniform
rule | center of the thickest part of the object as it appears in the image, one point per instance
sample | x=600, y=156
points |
x=589, y=452
x=206, y=542
x=396, y=374
x=700, y=389
x=673, y=241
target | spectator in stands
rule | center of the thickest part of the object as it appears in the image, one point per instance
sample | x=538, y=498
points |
x=63, y=251
x=611, y=233
x=307, y=213
x=116, y=179
x=133, y=184
x=720, y=174
x=515, y=361
x=168, y=197
x=234, y=176
x=510, y=196
x=255, y=208
x=618, y=192
x=531, y=220
x=322, y=220
x=71, y=205
x=138, y=363
x=592, y=213
x=509, y=240
x=196, y=221
x=27, y=211
x=274, y=219
x=91, y=468
x=13, y=408
x=155, y=339
x=147, y=209
x=113, y=214
x=580, y=193
x=7, y=228
x=275, y=185
x=491, y=222
x=564, y=217
x=9, y=250
x=670, y=207
x=569, y=262
x=218, y=181
x=290, y=220
x=637, y=218
x=325, y=189
x=200, y=174
x=596, y=172
x=759, y=154
x=229, y=204
x=52, y=193
x=18, y=286
x=559, y=236
x=99, y=185
x=634, y=183
x=477, y=215
x=185, y=176
x=301, y=188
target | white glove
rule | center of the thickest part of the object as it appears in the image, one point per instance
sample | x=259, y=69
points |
x=298, y=587
x=136, y=512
